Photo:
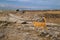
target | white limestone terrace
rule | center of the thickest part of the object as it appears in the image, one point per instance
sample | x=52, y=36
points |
x=14, y=18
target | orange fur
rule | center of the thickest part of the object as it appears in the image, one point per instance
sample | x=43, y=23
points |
x=40, y=24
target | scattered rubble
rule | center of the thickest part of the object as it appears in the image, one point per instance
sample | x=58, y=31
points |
x=26, y=32
x=14, y=29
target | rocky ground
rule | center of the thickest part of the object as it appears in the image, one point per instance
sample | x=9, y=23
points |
x=12, y=28
x=14, y=31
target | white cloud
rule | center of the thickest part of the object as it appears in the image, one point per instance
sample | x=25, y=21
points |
x=2, y=5
x=36, y=4
x=24, y=0
x=20, y=0
x=11, y=0
x=6, y=5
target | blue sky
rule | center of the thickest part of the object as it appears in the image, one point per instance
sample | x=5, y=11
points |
x=31, y=4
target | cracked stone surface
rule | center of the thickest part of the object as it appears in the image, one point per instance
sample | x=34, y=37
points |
x=13, y=31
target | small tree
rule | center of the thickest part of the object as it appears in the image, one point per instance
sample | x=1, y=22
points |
x=17, y=10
